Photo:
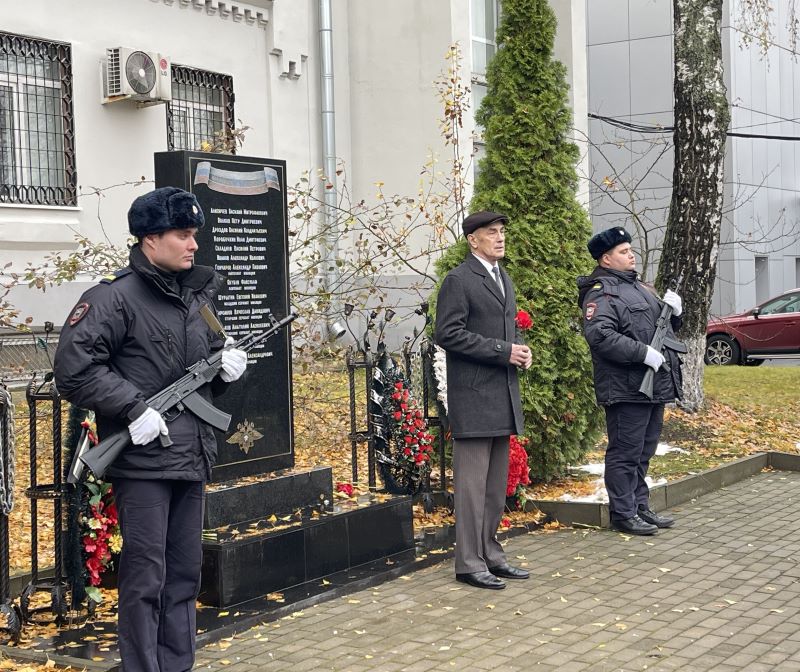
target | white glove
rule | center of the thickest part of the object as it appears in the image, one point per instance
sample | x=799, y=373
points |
x=654, y=359
x=147, y=427
x=234, y=362
x=673, y=301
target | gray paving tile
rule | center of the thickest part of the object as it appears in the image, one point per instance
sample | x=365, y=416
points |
x=720, y=591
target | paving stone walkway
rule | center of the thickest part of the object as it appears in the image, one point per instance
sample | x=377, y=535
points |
x=720, y=591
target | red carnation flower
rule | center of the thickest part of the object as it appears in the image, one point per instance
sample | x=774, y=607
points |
x=523, y=320
x=346, y=488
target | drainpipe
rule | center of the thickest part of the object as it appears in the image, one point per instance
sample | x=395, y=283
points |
x=330, y=273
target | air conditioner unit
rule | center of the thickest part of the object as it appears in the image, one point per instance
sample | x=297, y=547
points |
x=131, y=74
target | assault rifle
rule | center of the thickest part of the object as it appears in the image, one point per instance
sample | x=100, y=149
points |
x=179, y=396
x=659, y=342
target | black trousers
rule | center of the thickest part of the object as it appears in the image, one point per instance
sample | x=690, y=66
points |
x=159, y=572
x=633, y=433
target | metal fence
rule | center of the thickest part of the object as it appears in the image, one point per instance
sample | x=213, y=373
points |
x=23, y=355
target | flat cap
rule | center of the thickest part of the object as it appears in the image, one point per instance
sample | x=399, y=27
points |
x=483, y=218
x=602, y=242
x=163, y=209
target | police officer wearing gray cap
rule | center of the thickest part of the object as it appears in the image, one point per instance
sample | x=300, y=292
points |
x=475, y=325
x=130, y=336
x=619, y=321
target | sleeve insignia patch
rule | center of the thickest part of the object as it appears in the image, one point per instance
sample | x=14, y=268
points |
x=78, y=314
x=590, y=310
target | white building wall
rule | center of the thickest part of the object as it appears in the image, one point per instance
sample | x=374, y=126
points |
x=630, y=77
x=386, y=56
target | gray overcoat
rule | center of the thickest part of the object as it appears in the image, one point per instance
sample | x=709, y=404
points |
x=476, y=326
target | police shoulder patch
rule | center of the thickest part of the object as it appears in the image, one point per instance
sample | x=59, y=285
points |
x=590, y=310
x=78, y=313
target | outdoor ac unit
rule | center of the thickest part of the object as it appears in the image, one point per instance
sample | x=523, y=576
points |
x=130, y=74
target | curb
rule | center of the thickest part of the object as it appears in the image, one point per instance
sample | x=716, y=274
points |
x=669, y=495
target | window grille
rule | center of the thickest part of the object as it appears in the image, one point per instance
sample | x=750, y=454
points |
x=37, y=135
x=201, y=106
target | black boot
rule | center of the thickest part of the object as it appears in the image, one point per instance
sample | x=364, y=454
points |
x=634, y=525
x=653, y=518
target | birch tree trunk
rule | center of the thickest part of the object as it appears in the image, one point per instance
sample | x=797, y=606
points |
x=691, y=241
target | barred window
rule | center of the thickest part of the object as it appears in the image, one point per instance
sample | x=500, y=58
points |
x=37, y=139
x=201, y=106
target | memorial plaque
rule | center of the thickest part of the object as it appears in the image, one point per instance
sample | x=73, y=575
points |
x=245, y=239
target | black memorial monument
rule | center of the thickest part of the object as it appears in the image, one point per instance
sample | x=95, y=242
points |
x=267, y=534
x=245, y=239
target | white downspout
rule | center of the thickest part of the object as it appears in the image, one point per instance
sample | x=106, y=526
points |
x=330, y=238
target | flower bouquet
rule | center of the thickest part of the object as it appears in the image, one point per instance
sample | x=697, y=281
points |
x=518, y=472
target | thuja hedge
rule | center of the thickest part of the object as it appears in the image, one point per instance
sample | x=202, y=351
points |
x=529, y=174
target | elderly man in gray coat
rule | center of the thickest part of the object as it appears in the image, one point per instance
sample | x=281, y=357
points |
x=475, y=326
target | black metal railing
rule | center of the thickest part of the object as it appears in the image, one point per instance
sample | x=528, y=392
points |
x=41, y=393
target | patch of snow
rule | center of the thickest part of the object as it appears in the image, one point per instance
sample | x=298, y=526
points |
x=600, y=494
x=596, y=469
x=664, y=448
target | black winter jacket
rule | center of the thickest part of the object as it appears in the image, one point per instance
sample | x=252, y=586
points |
x=619, y=321
x=128, y=338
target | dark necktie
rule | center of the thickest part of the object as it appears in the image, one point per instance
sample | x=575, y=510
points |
x=498, y=280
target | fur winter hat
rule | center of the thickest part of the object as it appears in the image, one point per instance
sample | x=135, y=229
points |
x=602, y=242
x=163, y=209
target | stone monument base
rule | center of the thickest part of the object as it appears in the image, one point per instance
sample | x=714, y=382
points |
x=298, y=536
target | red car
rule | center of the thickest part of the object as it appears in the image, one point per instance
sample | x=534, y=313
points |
x=768, y=331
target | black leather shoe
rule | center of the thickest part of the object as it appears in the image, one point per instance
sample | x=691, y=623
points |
x=634, y=525
x=653, y=518
x=481, y=580
x=506, y=571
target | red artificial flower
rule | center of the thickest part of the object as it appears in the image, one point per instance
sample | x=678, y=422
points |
x=523, y=320
x=397, y=415
x=397, y=396
x=398, y=385
x=518, y=471
x=506, y=522
x=346, y=488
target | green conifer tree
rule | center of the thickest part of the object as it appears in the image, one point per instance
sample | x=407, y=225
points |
x=528, y=173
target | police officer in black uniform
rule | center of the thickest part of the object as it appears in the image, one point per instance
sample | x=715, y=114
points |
x=619, y=321
x=127, y=338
